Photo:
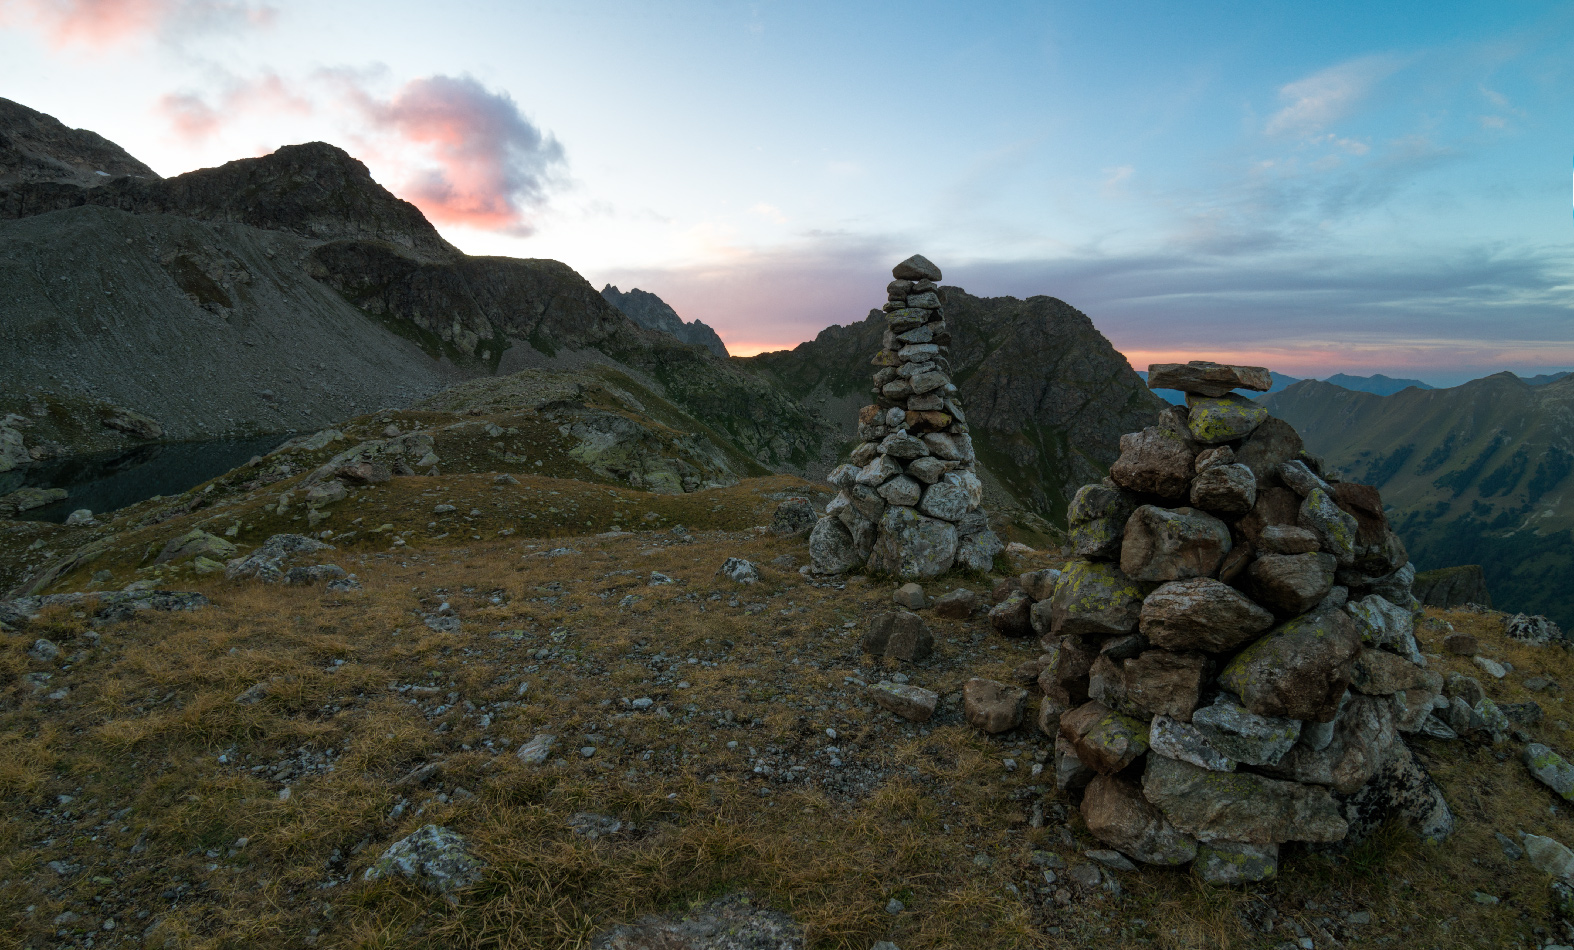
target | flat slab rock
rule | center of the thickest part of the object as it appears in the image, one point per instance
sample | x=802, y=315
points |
x=1208, y=379
x=730, y=923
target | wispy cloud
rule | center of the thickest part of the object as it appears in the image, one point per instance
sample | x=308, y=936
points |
x=472, y=158
x=1317, y=101
x=99, y=24
x=195, y=119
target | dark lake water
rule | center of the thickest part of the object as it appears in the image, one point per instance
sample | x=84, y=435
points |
x=116, y=479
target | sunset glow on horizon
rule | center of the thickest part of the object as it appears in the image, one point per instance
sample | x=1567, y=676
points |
x=1317, y=188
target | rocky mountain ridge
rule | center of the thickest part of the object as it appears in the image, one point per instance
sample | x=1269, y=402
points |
x=37, y=148
x=1476, y=474
x=653, y=313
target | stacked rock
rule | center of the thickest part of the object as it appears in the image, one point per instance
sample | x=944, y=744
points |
x=1231, y=660
x=908, y=504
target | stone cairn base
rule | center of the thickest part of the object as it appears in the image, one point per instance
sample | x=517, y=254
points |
x=909, y=503
x=1230, y=658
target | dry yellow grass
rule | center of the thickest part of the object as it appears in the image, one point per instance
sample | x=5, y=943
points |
x=360, y=693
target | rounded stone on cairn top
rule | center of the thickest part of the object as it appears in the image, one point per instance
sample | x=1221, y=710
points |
x=916, y=267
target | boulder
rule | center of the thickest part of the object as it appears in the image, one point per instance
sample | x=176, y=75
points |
x=910, y=596
x=1225, y=490
x=1537, y=630
x=1040, y=585
x=1097, y=521
x=953, y=496
x=739, y=571
x=196, y=543
x=912, y=546
x=831, y=547
x=916, y=267
x=13, y=450
x=1093, y=598
x=133, y=423
x=1334, y=527
x=976, y=544
x=1291, y=584
x=1270, y=445
x=1240, y=806
x=1242, y=735
x=1118, y=815
x=1386, y=625
x=435, y=857
x=1158, y=682
x=1274, y=506
x=1162, y=544
x=1550, y=769
x=1363, y=735
x=1201, y=614
x=878, y=472
x=1155, y=461
x=1300, y=670
x=1301, y=479
x=901, y=490
x=1011, y=617
x=1104, y=740
x=793, y=518
x=1225, y=863
x=1380, y=673
x=1064, y=677
x=1174, y=739
x=1070, y=773
x=1401, y=789
x=899, y=635
x=1286, y=539
x=993, y=706
x=1217, y=419
x=1204, y=378
x=957, y=605
x=927, y=470
x=909, y=702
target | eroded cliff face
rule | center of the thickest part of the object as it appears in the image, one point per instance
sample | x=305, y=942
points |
x=653, y=313
x=1047, y=395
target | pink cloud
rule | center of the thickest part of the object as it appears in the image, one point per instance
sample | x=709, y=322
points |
x=97, y=24
x=481, y=163
x=194, y=119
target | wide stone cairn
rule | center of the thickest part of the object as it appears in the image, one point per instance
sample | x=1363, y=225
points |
x=1230, y=659
x=908, y=504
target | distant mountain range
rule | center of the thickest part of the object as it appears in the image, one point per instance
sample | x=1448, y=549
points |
x=1377, y=385
x=653, y=313
x=1475, y=474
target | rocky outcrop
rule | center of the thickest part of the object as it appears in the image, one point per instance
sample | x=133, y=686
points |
x=1452, y=587
x=909, y=502
x=35, y=148
x=653, y=313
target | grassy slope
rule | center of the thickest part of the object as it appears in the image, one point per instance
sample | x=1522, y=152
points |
x=1477, y=474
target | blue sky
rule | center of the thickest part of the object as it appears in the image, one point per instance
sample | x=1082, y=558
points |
x=1315, y=187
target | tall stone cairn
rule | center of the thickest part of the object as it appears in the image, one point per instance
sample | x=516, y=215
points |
x=908, y=502
x=1230, y=658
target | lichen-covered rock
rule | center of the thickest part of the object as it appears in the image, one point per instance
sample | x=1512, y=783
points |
x=1363, y=735
x=1224, y=863
x=976, y=544
x=1097, y=521
x=1270, y=445
x=1158, y=682
x=905, y=700
x=1402, y=789
x=196, y=543
x=794, y=518
x=1156, y=461
x=1334, y=527
x=899, y=635
x=1217, y=419
x=1012, y=616
x=1380, y=673
x=1286, y=539
x=1094, y=598
x=1162, y=544
x=1201, y=613
x=435, y=857
x=1118, y=815
x=912, y=546
x=1291, y=584
x=993, y=706
x=953, y=496
x=1225, y=490
x=831, y=547
x=1243, y=735
x=267, y=562
x=1105, y=740
x=1300, y=670
x=1386, y=625
x=1174, y=739
x=1239, y=806
x=1550, y=769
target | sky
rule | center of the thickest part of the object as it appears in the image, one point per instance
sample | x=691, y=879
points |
x=1314, y=187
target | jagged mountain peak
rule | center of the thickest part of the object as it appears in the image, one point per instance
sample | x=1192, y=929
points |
x=653, y=313
x=35, y=147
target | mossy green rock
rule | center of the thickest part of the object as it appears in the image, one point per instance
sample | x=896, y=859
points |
x=1300, y=670
x=1093, y=598
x=1236, y=862
x=196, y=543
x=1240, y=806
x=1097, y=519
x=1334, y=527
x=1105, y=740
x=1223, y=419
x=1550, y=769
